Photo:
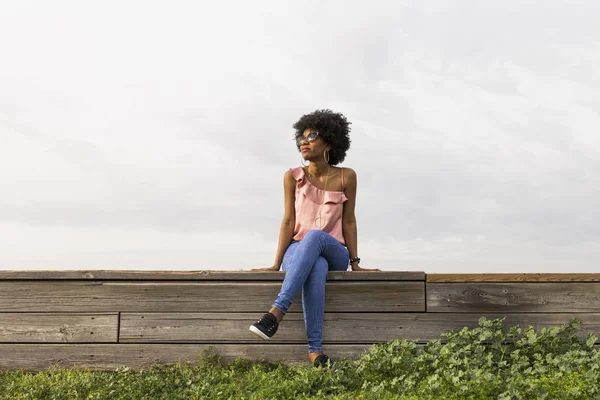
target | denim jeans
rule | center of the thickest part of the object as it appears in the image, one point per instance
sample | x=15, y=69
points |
x=306, y=263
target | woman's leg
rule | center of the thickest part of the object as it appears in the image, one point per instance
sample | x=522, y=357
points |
x=313, y=296
x=314, y=245
x=313, y=305
x=266, y=327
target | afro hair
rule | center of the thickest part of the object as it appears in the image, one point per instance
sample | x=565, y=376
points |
x=332, y=127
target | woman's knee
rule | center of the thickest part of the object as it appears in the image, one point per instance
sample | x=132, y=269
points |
x=313, y=235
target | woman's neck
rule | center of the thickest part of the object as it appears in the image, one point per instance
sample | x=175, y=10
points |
x=318, y=169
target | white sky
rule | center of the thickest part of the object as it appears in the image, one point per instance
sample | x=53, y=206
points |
x=155, y=135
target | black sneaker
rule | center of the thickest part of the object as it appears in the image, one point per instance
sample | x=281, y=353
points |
x=266, y=327
x=323, y=361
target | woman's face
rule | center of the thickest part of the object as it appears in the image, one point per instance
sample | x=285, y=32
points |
x=312, y=149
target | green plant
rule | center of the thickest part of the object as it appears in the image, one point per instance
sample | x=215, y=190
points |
x=490, y=361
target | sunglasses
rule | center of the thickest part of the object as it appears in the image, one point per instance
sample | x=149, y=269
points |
x=311, y=137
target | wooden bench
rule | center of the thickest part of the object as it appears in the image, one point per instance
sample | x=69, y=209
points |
x=104, y=319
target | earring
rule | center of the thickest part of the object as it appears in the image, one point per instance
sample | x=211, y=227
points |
x=326, y=156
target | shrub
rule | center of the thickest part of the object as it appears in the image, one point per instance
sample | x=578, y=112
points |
x=488, y=362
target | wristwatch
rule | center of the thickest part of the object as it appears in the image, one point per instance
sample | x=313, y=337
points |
x=355, y=259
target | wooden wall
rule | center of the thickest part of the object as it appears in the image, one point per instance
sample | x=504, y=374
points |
x=103, y=319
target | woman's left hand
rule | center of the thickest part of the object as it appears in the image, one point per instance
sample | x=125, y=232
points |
x=359, y=269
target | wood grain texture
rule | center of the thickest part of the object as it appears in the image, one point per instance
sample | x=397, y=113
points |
x=233, y=328
x=58, y=327
x=201, y=275
x=100, y=296
x=39, y=357
x=530, y=277
x=108, y=357
x=548, y=297
x=48, y=316
x=337, y=327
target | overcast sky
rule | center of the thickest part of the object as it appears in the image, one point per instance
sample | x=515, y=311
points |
x=155, y=135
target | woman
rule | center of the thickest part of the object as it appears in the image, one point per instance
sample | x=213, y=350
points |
x=318, y=231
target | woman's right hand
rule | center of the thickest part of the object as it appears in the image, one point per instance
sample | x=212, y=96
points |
x=274, y=268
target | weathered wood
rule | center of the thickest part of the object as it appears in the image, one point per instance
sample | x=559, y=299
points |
x=99, y=296
x=108, y=357
x=201, y=275
x=233, y=328
x=528, y=277
x=168, y=315
x=337, y=327
x=563, y=297
x=59, y=327
x=38, y=357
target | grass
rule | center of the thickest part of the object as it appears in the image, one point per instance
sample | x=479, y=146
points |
x=491, y=361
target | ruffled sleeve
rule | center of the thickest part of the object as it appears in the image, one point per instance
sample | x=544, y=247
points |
x=298, y=174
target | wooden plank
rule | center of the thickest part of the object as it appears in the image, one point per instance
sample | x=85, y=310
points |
x=108, y=357
x=233, y=328
x=59, y=327
x=506, y=277
x=38, y=357
x=337, y=327
x=99, y=296
x=201, y=275
x=552, y=297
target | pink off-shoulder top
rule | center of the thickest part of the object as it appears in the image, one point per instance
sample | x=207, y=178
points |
x=308, y=201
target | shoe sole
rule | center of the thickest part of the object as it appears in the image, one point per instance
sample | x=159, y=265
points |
x=259, y=333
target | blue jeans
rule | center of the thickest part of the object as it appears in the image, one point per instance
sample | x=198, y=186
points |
x=306, y=264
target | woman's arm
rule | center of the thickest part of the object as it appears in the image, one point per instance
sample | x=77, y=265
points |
x=286, y=231
x=349, y=220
